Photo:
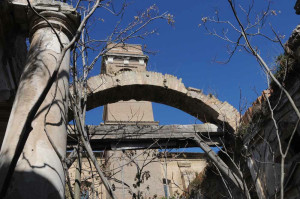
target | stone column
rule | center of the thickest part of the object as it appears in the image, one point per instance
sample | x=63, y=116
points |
x=39, y=172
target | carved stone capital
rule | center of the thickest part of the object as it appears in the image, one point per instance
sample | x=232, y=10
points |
x=61, y=16
x=67, y=23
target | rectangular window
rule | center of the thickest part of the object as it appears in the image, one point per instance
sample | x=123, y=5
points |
x=110, y=59
x=126, y=61
x=141, y=61
x=167, y=188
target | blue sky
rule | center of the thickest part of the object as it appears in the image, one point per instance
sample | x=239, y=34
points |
x=187, y=51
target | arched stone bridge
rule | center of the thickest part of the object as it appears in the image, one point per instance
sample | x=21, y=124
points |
x=165, y=89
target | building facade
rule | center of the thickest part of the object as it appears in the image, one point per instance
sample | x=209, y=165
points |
x=145, y=173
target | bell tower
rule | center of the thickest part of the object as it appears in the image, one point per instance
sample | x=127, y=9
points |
x=117, y=59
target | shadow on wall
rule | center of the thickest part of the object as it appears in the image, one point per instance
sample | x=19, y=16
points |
x=30, y=185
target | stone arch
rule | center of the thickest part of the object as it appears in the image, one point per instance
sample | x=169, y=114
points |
x=165, y=89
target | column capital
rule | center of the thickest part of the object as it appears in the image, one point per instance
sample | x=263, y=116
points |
x=62, y=17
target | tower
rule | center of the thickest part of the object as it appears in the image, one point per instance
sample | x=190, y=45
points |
x=117, y=59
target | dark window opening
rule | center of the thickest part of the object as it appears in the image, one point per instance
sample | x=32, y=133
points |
x=167, y=187
x=125, y=69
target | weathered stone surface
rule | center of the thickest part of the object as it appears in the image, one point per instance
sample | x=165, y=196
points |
x=261, y=139
x=44, y=53
x=256, y=107
x=14, y=27
x=261, y=142
x=126, y=57
x=165, y=89
x=293, y=43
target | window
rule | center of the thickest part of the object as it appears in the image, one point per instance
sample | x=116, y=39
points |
x=84, y=194
x=141, y=61
x=125, y=69
x=110, y=59
x=85, y=186
x=167, y=187
x=126, y=61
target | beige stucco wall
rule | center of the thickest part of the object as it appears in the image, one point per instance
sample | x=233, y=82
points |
x=129, y=111
x=181, y=170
